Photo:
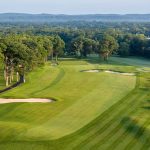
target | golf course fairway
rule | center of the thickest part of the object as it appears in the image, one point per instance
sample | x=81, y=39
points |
x=91, y=110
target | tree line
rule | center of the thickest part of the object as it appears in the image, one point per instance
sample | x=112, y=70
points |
x=22, y=53
x=22, y=48
x=128, y=39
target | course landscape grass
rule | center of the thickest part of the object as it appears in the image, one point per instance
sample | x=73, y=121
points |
x=91, y=111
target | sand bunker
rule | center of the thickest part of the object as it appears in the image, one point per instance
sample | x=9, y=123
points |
x=115, y=72
x=92, y=71
x=30, y=100
x=109, y=71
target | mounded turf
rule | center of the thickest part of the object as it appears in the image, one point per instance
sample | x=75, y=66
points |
x=92, y=111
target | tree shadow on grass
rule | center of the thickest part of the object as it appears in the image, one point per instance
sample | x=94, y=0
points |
x=139, y=132
x=148, y=101
x=11, y=87
x=132, y=127
x=146, y=107
x=135, y=129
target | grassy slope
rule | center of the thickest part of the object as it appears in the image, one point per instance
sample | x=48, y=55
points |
x=75, y=89
x=133, y=61
x=106, y=126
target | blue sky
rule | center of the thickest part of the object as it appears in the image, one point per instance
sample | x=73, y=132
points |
x=75, y=6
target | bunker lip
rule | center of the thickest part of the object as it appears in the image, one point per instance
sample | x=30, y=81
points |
x=28, y=100
x=109, y=71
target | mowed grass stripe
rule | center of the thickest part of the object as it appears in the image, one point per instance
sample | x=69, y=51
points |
x=111, y=117
x=144, y=140
x=110, y=124
x=114, y=137
x=101, y=121
x=138, y=132
x=58, y=127
x=104, y=119
x=128, y=142
x=58, y=78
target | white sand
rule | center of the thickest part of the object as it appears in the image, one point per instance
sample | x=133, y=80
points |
x=114, y=72
x=126, y=74
x=92, y=71
x=30, y=100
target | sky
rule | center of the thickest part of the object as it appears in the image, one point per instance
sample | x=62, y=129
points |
x=75, y=6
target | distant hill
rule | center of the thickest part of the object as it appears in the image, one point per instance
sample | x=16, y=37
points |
x=47, y=18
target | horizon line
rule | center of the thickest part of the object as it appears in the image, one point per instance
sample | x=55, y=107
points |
x=75, y=14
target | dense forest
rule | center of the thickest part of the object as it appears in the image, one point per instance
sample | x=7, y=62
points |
x=26, y=46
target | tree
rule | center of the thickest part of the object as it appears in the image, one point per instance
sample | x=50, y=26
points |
x=137, y=45
x=1, y=54
x=124, y=49
x=48, y=45
x=107, y=45
x=88, y=45
x=22, y=53
x=58, y=47
x=77, y=45
x=83, y=46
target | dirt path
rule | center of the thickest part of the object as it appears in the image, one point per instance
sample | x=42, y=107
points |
x=30, y=100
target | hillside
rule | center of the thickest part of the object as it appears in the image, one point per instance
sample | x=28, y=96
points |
x=47, y=18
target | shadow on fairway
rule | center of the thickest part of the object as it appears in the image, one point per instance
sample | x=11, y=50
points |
x=136, y=130
x=146, y=107
x=11, y=87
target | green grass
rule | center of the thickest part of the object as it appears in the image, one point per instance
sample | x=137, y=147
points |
x=132, y=61
x=92, y=111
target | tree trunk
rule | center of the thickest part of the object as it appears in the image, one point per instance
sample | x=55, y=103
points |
x=10, y=81
x=17, y=76
x=52, y=55
x=5, y=74
x=12, y=77
x=85, y=54
x=7, y=81
x=5, y=68
x=22, y=79
x=12, y=74
x=46, y=59
x=56, y=58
